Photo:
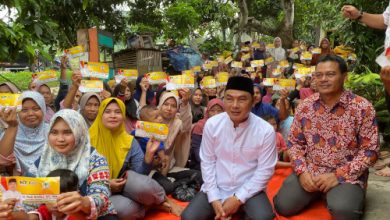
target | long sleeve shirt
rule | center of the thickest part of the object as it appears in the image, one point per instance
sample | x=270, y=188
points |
x=237, y=160
x=342, y=139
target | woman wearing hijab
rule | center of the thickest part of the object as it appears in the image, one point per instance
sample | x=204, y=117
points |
x=22, y=142
x=89, y=106
x=262, y=109
x=124, y=91
x=278, y=53
x=325, y=49
x=131, y=188
x=68, y=147
x=214, y=107
x=197, y=109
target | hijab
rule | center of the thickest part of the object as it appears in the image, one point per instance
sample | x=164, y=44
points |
x=113, y=145
x=30, y=142
x=175, y=124
x=83, y=102
x=138, y=92
x=328, y=50
x=196, y=110
x=256, y=107
x=198, y=128
x=78, y=159
x=11, y=87
x=278, y=52
x=260, y=55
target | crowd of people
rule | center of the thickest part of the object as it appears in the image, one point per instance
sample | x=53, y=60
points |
x=223, y=141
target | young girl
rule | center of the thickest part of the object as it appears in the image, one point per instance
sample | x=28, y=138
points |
x=283, y=158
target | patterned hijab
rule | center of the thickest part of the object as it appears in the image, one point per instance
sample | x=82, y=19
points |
x=78, y=159
x=29, y=142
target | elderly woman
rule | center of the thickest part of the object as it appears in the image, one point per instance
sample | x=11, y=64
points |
x=22, y=142
x=89, y=106
x=68, y=147
x=132, y=190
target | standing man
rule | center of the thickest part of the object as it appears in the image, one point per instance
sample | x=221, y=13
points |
x=238, y=156
x=377, y=21
x=332, y=143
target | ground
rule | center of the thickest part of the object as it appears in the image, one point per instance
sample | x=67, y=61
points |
x=378, y=198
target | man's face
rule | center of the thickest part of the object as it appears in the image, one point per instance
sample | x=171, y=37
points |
x=328, y=78
x=12, y=186
x=238, y=105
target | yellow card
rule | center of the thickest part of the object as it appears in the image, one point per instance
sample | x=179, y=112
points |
x=257, y=63
x=45, y=77
x=228, y=60
x=10, y=100
x=295, y=49
x=269, y=81
x=226, y=53
x=298, y=65
x=306, y=56
x=208, y=82
x=130, y=74
x=91, y=86
x=75, y=52
x=250, y=69
x=237, y=64
x=180, y=82
x=151, y=130
x=245, y=49
x=284, y=84
x=270, y=46
x=94, y=69
x=246, y=56
x=352, y=57
x=255, y=45
x=207, y=66
x=277, y=71
x=268, y=60
x=188, y=73
x=220, y=59
x=284, y=64
x=156, y=78
x=316, y=51
x=30, y=191
x=213, y=63
x=303, y=72
x=222, y=78
x=196, y=68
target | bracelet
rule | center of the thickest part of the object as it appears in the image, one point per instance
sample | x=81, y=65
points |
x=360, y=16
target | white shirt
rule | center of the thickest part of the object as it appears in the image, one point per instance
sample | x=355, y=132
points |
x=386, y=17
x=238, y=160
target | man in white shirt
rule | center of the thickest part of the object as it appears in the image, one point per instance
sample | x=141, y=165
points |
x=238, y=156
x=11, y=193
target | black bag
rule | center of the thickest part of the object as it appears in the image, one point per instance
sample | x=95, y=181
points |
x=187, y=188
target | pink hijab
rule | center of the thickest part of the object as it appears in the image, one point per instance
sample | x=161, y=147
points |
x=198, y=128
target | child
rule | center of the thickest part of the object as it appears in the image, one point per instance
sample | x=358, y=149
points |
x=68, y=183
x=283, y=159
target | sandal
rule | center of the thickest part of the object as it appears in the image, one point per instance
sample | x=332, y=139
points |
x=380, y=164
x=385, y=172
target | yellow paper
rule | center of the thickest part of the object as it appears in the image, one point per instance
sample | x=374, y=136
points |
x=75, y=52
x=222, y=78
x=270, y=46
x=255, y=45
x=298, y=65
x=213, y=63
x=245, y=49
x=306, y=56
x=237, y=64
x=180, y=82
x=284, y=64
x=196, y=68
x=303, y=72
x=207, y=66
x=228, y=60
x=220, y=59
x=208, y=82
x=45, y=77
x=245, y=57
x=277, y=71
x=10, y=100
x=31, y=191
x=316, y=51
x=284, y=84
x=250, y=69
x=227, y=53
x=269, y=60
x=94, y=70
x=188, y=73
x=257, y=63
x=352, y=57
x=151, y=130
x=295, y=49
x=91, y=86
x=269, y=81
x=129, y=74
x=156, y=78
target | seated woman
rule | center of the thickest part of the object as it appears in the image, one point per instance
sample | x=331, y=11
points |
x=89, y=106
x=197, y=109
x=22, y=142
x=214, y=107
x=132, y=190
x=68, y=147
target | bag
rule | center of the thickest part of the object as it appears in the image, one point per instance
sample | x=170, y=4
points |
x=184, y=192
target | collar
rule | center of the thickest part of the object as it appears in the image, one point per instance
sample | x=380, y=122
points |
x=243, y=124
x=343, y=101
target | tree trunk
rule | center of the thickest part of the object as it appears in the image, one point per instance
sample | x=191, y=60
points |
x=243, y=21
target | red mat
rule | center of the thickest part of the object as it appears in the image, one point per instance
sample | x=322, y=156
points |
x=316, y=211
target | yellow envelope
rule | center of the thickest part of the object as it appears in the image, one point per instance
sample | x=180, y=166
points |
x=10, y=100
x=75, y=52
x=269, y=81
x=303, y=72
x=94, y=70
x=151, y=130
x=245, y=57
x=196, y=68
x=129, y=74
x=268, y=60
x=306, y=56
x=222, y=78
x=316, y=50
x=237, y=64
x=45, y=77
x=33, y=191
x=228, y=60
x=257, y=63
x=208, y=83
x=180, y=82
x=91, y=86
x=284, y=84
x=156, y=78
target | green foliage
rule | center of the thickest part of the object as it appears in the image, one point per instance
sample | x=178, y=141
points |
x=215, y=45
